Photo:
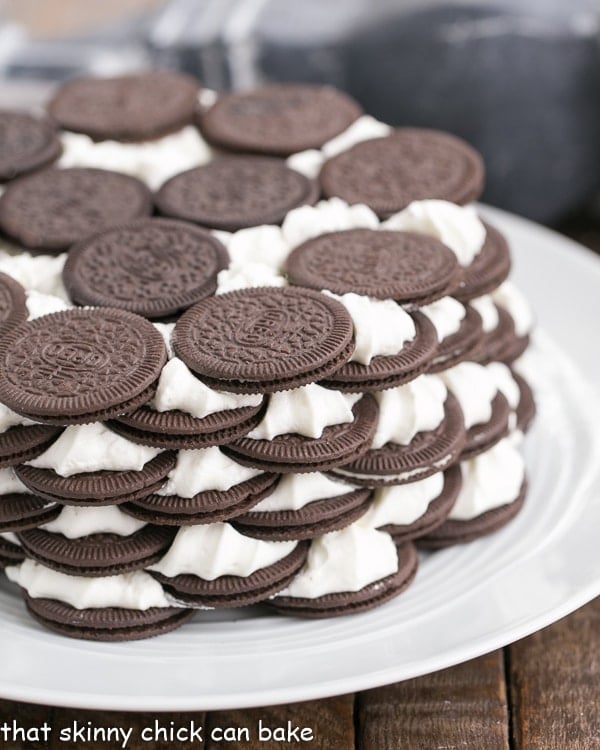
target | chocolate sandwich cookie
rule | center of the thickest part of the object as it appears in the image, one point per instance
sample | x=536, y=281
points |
x=52, y=209
x=24, y=442
x=436, y=512
x=265, y=339
x=428, y=452
x=20, y=510
x=462, y=345
x=232, y=193
x=482, y=437
x=389, y=371
x=339, y=444
x=97, y=554
x=98, y=487
x=412, y=269
x=152, y=267
x=105, y=623
x=10, y=554
x=526, y=408
x=13, y=305
x=126, y=108
x=233, y=590
x=26, y=143
x=278, y=119
x=496, y=341
x=352, y=602
x=453, y=531
x=314, y=519
x=80, y=365
x=489, y=268
x=176, y=429
x=408, y=165
x=210, y=506
x=514, y=346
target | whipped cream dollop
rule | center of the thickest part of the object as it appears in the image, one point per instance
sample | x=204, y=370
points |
x=178, y=388
x=475, y=388
x=446, y=314
x=510, y=297
x=10, y=418
x=74, y=522
x=381, y=327
x=41, y=273
x=331, y=215
x=404, y=411
x=294, y=491
x=93, y=447
x=154, y=161
x=505, y=382
x=402, y=504
x=166, y=331
x=345, y=560
x=39, y=304
x=306, y=411
x=217, y=549
x=10, y=483
x=457, y=227
x=264, y=244
x=248, y=276
x=136, y=590
x=198, y=470
x=487, y=310
x=490, y=480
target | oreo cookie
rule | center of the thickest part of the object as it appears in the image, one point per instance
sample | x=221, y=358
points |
x=26, y=143
x=429, y=452
x=232, y=193
x=462, y=345
x=98, y=487
x=408, y=165
x=20, y=510
x=105, y=623
x=97, y=554
x=264, y=339
x=489, y=268
x=13, y=305
x=352, y=602
x=412, y=269
x=52, y=209
x=526, y=407
x=482, y=437
x=152, y=267
x=278, y=119
x=498, y=340
x=339, y=444
x=10, y=553
x=80, y=366
x=22, y=443
x=135, y=107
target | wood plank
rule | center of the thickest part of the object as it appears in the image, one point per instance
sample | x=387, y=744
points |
x=461, y=707
x=330, y=721
x=554, y=684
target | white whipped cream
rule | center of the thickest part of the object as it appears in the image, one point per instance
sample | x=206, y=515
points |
x=305, y=411
x=39, y=304
x=331, y=215
x=93, y=447
x=505, y=382
x=10, y=482
x=381, y=327
x=178, y=388
x=307, y=162
x=402, y=504
x=74, y=522
x=154, y=162
x=488, y=312
x=136, y=590
x=490, y=480
x=217, y=549
x=247, y=276
x=345, y=560
x=263, y=244
x=404, y=411
x=10, y=418
x=41, y=273
x=475, y=388
x=11, y=537
x=508, y=296
x=446, y=314
x=294, y=491
x=204, y=469
x=166, y=331
x=457, y=227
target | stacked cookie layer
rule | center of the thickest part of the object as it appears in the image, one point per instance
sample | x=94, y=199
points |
x=260, y=396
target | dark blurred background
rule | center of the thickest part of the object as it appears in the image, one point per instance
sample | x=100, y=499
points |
x=521, y=81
